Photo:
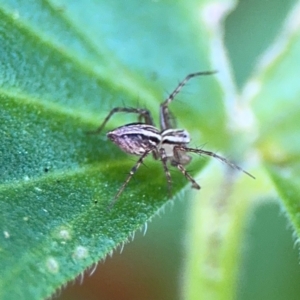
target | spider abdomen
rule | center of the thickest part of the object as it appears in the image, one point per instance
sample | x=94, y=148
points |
x=135, y=138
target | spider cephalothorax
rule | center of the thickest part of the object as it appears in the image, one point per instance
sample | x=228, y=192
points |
x=166, y=144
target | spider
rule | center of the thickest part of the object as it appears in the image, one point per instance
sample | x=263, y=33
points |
x=167, y=144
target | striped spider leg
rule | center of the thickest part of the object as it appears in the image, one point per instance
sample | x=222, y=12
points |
x=144, y=115
x=167, y=144
x=138, y=139
x=164, y=114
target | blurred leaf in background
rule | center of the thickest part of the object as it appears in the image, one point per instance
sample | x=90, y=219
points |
x=64, y=66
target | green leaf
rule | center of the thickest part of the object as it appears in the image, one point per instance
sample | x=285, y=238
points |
x=287, y=182
x=276, y=104
x=216, y=228
x=218, y=220
x=278, y=109
x=63, y=67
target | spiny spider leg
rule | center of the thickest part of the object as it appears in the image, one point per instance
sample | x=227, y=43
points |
x=164, y=160
x=164, y=112
x=181, y=168
x=212, y=154
x=131, y=173
x=167, y=144
x=143, y=113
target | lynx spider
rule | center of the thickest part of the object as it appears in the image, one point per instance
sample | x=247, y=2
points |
x=167, y=144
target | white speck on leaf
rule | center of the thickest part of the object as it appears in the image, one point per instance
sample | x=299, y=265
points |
x=80, y=252
x=52, y=265
x=64, y=234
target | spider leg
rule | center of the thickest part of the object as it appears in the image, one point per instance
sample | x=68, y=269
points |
x=143, y=114
x=131, y=173
x=164, y=159
x=165, y=118
x=180, y=167
x=212, y=154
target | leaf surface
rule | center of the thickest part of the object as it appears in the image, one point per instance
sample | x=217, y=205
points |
x=63, y=67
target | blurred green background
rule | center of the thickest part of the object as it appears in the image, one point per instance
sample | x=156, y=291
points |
x=150, y=267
